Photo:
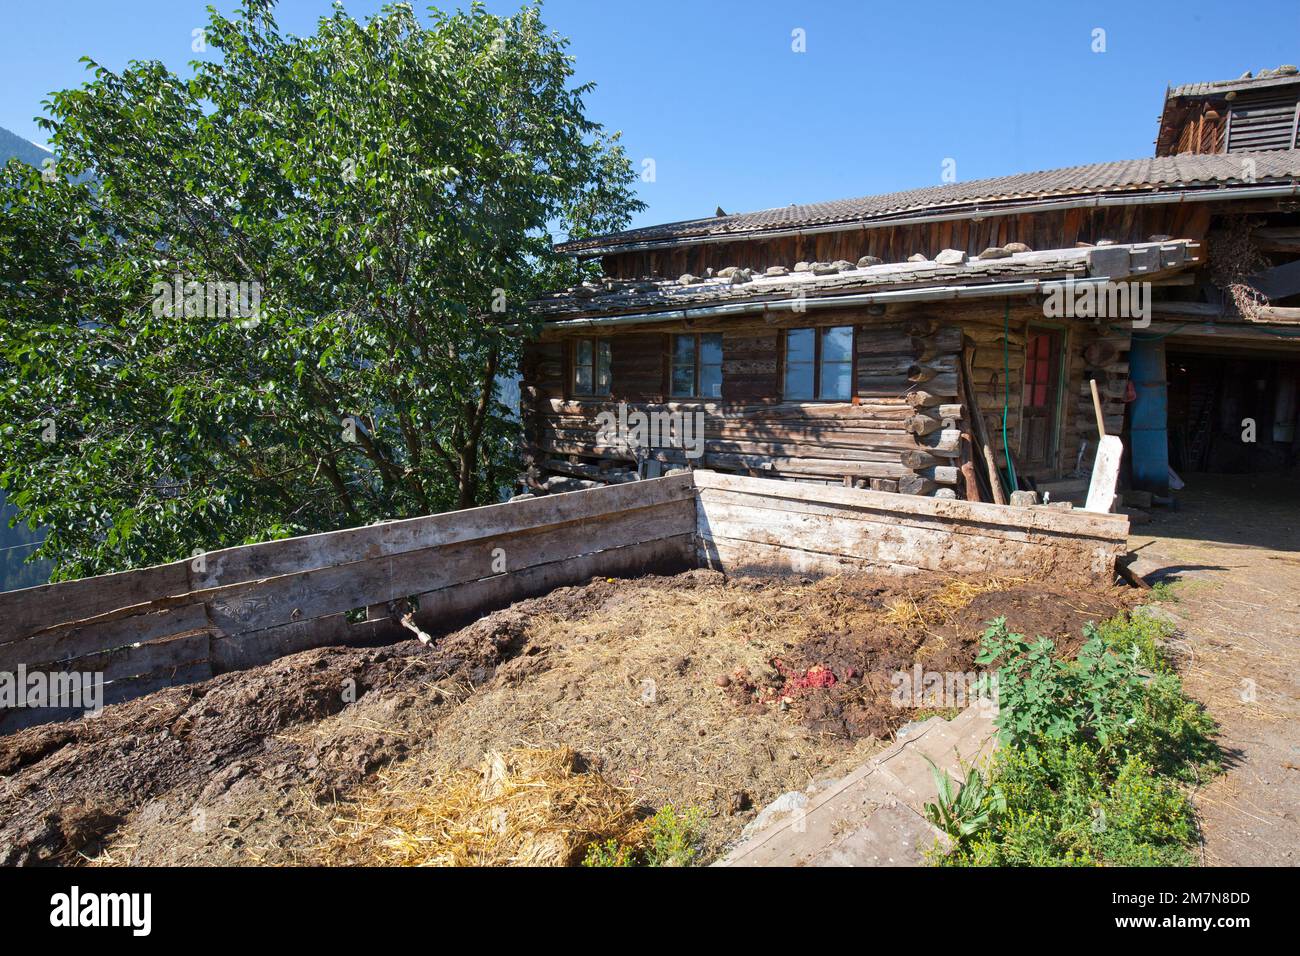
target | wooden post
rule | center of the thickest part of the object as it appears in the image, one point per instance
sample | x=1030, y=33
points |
x=981, y=430
x=1096, y=405
x=970, y=482
x=969, y=474
x=994, y=479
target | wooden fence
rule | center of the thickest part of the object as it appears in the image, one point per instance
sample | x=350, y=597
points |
x=239, y=607
x=756, y=524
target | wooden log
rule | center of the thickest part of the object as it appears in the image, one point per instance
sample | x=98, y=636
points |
x=942, y=474
x=593, y=472
x=918, y=459
x=945, y=339
x=981, y=434
x=980, y=485
x=970, y=484
x=995, y=480
x=923, y=399
x=828, y=467
x=948, y=444
x=982, y=335
x=922, y=373
x=1096, y=404
x=942, y=383
x=915, y=485
x=923, y=425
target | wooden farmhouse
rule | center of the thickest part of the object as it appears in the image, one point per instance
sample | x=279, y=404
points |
x=932, y=339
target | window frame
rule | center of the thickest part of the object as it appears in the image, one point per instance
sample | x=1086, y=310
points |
x=817, y=362
x=571, y=379
x=696, y=365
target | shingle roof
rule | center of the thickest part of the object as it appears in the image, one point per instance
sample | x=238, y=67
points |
x=1152, y=174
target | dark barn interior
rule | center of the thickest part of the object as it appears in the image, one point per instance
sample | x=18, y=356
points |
x=1213, y=400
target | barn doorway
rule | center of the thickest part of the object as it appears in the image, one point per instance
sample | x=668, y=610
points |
x=1232, y=414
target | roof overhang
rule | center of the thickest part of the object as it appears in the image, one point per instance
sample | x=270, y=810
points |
x=1026, y=273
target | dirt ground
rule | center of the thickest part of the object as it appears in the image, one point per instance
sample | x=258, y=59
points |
x=1231, y=559
x=693, y=690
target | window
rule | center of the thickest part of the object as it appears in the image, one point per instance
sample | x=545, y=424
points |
x=819, y=363
x=591, y=367
x=697, y=366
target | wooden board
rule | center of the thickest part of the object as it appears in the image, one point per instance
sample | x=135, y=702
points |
x=1105, y=475
x=24, y=612
x=748, y=523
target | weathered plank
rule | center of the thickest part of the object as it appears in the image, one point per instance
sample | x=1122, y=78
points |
x=1113, y=527
x=751, y=557
x=842, y=527
x=881, y=543
x=321, y=591
x=27, y=611
x=73, y=641
x=718, y=502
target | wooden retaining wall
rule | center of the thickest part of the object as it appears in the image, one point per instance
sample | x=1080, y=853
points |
x=236, y=608
x=763, y=526
x=240, y=607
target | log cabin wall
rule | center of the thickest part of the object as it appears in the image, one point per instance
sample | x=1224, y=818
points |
x=900, y=432
x=1054, y=230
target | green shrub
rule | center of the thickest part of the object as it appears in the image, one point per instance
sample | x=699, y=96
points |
x=1173, y=733
x=1063, y=809
x=1094, y=751
x=674, y=837
x=1163, y=591
x=1124, y=632
x=609, y=853
x=1041, y=696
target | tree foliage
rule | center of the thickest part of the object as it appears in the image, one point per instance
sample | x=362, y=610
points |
x=392, y=189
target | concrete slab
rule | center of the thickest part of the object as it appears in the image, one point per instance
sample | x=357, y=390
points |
x=874, y=816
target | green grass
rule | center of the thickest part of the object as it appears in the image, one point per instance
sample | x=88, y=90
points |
x=1163, y=591
x=672, y=839
x=925, y=713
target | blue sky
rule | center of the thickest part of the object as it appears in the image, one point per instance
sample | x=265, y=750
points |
x=713, y=92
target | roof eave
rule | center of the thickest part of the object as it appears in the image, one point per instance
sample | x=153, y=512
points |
x=1133, y=196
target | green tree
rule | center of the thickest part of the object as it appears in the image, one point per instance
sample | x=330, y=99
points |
x=389, y=192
